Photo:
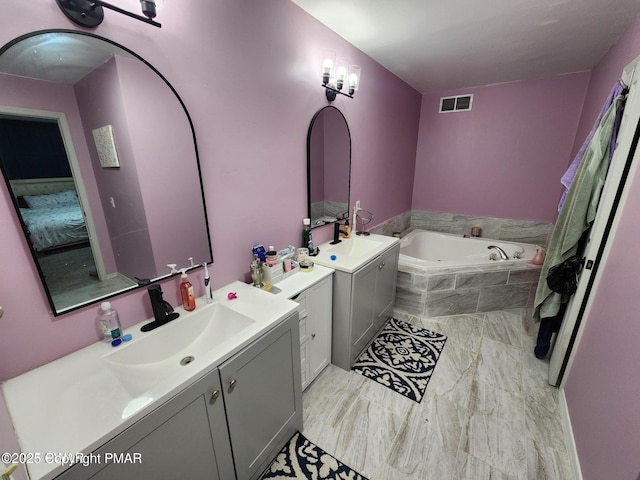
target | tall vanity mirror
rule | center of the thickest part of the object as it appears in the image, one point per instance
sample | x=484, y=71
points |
x=328, y=167
x=99, y=156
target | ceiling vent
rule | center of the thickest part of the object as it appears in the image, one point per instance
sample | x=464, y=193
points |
x=459, y=103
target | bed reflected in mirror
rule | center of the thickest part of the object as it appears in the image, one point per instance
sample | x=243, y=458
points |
x=100, y=159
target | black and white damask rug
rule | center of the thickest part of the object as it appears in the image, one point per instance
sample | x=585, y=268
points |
x=402, y=357
x=302, y=460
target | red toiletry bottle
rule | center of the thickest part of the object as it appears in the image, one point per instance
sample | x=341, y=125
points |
x=186, y=292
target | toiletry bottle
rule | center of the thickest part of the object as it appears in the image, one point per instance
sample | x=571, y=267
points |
x=538, y=259
x=307, y=240
x=186, y=292
x=346, y=229
x=109, y=322
x=208, y=294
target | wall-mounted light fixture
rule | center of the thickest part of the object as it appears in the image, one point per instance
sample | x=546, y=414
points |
x=337, y=72
x=89, y=13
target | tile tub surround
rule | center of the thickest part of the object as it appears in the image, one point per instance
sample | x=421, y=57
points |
x=521, y=231
x=435, y=292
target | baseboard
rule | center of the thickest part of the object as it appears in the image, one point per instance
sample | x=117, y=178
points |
x=569, y=440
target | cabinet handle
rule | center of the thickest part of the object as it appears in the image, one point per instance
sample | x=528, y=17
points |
x=381, y=266
x=215, y=394
x=232, y=384
x=313, y=335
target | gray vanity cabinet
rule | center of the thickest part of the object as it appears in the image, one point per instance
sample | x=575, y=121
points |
x=315, y=328
x=184, y=438
x=362, y=302
x=263, y=398
x=229, y=424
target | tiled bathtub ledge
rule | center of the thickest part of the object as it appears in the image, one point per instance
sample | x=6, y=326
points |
x=436, y=292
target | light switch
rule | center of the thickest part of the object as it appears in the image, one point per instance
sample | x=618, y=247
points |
x=112, y=202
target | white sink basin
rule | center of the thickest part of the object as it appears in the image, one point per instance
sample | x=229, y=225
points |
x=153, y=356
x=355, y=247
x=352, y=253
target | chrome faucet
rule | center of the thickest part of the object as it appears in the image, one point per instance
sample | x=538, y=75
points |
x=503, y=255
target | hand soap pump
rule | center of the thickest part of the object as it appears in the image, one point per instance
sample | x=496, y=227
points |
x=186, y=292
x=346, y=229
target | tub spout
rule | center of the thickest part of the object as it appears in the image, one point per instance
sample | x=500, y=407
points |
x=503, y=254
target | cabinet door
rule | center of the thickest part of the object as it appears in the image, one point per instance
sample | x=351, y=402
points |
x=184, y=438
x=386, y=286
x=319, y=326
x=301, y=300
x=263, y=397
x=362, y=308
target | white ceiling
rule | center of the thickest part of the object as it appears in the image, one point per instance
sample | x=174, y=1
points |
x=57, y=57
x=448, y=44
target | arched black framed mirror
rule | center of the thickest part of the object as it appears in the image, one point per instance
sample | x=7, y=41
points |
x=328, y=167
x=99, y=155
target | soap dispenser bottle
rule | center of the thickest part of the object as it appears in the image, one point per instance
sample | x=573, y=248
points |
x=186, y=292
x=346, y=229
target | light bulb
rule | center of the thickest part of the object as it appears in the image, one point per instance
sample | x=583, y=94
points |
x=340, y=74
x=148, y=8
x=327, y=65
x=354, y=78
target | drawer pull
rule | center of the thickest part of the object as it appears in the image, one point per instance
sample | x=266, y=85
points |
x=232, y=384
x=215, y=394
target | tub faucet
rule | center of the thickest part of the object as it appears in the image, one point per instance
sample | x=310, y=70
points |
x=503, y=254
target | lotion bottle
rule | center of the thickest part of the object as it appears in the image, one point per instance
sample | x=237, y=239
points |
x=346, y=228
x=538, y=259
x=186, y=292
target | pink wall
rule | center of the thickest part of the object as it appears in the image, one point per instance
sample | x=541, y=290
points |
x=127, y=225
x=251, y=98
x=602, y=388
x=161, y=133
x=505, y=157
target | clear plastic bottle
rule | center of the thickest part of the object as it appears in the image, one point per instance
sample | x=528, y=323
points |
x=109, y=322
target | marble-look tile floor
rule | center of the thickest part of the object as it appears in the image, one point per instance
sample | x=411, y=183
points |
x=488, y=412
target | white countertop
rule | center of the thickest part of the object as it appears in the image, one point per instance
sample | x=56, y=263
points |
x=302, y=280
x=75, y=404
x=352, y=253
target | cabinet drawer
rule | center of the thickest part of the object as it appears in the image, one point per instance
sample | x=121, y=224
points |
x=301, y=299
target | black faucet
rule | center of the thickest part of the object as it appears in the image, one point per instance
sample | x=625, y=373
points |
x=162, y=310
x=336, y=233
